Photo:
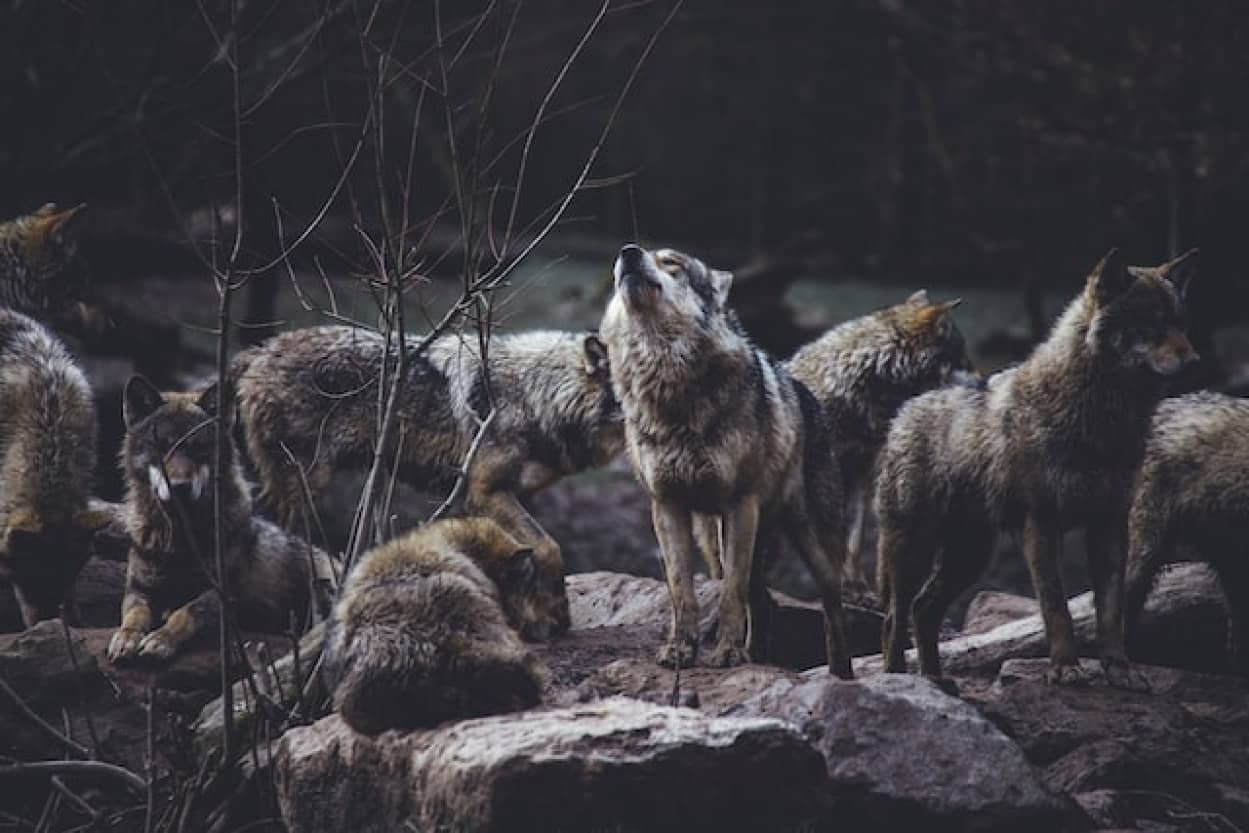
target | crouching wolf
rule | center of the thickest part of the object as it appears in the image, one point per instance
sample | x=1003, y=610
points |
x=720, y=436
x=424, y=629
x=1192, y=501
x=308, y=404
x=862, y=371
x=168, y=457
x=47, y=461
x=1051, y=444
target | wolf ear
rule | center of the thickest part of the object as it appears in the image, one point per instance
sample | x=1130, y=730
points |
x=1110, y=278
x=139, y=400
x=1181, y=271
x=721, y=281
x=51, y=223
x=211, y=398
x=522, y=567
x=595, y=354
x=918, y=298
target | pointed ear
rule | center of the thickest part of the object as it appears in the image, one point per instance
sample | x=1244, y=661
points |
x=934, y=315
x=594, y=352
x=50, y=222
x=1181, y=271
x=522, y=567
x=721, y=281
x=918, y=298
x=212, y=398
x=139, y=400
x=1110, y=278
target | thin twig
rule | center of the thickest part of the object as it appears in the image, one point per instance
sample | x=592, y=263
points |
x=48, y=729
x=462, y=477
x=41, y=769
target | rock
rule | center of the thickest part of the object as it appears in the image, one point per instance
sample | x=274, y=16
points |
x=1183, y=624
x=714, y=690
x=901, y=754
x=991, y=608
x=603, y=599
x=46, y=662
x=1182, y=743
x=618, y=765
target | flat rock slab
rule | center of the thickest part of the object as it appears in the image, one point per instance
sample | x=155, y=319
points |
x=604, y=599
x=901, y=754
x=1185, y=738
x=1183, y=625
x=618, y=765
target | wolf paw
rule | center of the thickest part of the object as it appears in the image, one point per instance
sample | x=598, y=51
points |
x=124, y=645
x=945, y=684
x=156, y=646
x=1121, y=675
x=677, y=652
x=1067, y=674
x=728, y=654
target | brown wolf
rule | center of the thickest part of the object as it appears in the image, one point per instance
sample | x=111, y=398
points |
x=717, y=430
x=308, y=403
x=1051, y=444
x=424, y=629
x=861, y=372
x=1192, y=501
x=47, y=461
x=169, y=460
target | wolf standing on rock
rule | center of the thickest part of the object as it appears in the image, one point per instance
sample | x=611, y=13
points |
x=47, y=461
x=717, y=432
x=1051, y=444
x=169, y=461
x=862, y=371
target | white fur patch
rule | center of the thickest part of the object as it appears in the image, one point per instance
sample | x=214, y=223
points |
x=199, y=481
x=159, y=484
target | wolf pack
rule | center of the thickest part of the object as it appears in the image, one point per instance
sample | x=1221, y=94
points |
x=741, y=455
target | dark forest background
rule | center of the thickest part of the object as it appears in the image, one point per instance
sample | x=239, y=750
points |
x=943, y=141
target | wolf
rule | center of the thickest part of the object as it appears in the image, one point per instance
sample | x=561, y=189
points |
x=1192, y=501
x=720, y=436
x=168, y=456
x=47, y=462
x=1051, y=444
x=309, y=406
x=861, y=372
x=425, y=630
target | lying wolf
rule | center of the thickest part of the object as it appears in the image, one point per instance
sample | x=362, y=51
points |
x=169, y=460
x=717, y=431
x=1052, y=444
x=425, y=629
x=308, y=402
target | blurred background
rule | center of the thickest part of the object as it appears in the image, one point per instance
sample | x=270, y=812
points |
x=837, y=154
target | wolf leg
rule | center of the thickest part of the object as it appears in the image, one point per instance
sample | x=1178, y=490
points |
x=1107, y=554
x=1232, y=569
x=674, y=529
x=823, y=558
x=1041, y=549
x=505, y=509
x=859, y=504
x=137, y=619
x=182, y=625
x=741, y=527
x=964, y=558
x=1150, y=545
x=902, y=564
x=707, y=534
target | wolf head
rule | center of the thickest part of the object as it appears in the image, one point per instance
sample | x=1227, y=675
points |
x=169, y=449
x=532, y=595
x=932, y=335
x=39, y=270
x=668, y=287
x=1138, y=313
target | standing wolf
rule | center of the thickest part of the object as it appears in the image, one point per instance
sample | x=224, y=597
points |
x=424, y=630
x=309, y=405
x=718, y=432
x=169, y=460
x=1192, y=500
x=47, y=461
x=862, y=371
x=1051, y=444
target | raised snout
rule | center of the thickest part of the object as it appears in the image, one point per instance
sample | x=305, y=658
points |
x=634, y=275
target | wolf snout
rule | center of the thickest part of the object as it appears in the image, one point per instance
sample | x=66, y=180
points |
x=631, y=254
x=179, y=475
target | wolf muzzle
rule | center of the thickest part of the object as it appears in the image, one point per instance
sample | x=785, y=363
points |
x=180, y=476
x=631, y=267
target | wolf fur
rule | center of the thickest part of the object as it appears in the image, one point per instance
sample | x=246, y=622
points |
x=311, y=395
x=722, y=438
x=424, y=630
x=168, y=456
x=861, y=372
x=1192, y=501
x=1051, y=444
x=47, y=461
